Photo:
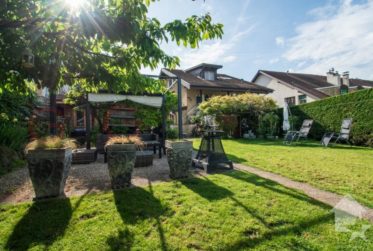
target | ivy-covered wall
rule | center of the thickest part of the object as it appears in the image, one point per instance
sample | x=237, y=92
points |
x=328, y=114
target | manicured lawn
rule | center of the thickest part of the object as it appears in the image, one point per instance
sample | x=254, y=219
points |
x=229, y=211
x=341, y=169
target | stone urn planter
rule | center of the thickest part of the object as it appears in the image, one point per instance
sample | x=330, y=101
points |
x=121, y=158
x=179, y=157
x=49, y=169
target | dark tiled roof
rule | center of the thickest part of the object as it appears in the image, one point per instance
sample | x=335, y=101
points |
x=223, y=82
x=360, y=82
x=204, y=65
x=310, y=83
x=306, y=82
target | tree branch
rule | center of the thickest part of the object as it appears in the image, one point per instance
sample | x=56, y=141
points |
x=91, y=52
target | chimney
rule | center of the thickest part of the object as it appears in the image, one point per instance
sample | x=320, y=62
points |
x=346, y=78
x=333, y=77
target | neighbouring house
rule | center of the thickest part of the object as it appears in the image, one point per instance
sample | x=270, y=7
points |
x=299, y=88
x=203, y=81
x=65, y=114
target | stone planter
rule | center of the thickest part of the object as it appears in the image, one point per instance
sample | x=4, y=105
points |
x=48, y=170
x=179, y=157
x=121, y=161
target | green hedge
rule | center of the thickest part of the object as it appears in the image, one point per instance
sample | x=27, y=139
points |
x=328, y=114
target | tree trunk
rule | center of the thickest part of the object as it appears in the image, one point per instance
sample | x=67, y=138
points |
x=52, y=112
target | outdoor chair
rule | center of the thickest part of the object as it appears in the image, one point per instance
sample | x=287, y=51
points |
x=301, y=134
x=342, y=136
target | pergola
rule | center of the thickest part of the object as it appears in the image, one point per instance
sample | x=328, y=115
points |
x=153, y=100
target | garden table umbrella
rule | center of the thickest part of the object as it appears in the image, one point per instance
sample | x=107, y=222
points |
x=285, y=122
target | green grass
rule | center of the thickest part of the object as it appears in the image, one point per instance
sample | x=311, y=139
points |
x=228, y=211
x=341, y=169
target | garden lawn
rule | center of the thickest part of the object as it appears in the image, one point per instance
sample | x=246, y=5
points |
x=341, y=169
x=230, y=211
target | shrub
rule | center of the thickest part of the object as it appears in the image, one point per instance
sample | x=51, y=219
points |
x=329, y=113
x=172, y=133
x=247, y=106
x=228, y=123
x=268, y=124
x=243, y=103
x=50, y=142
x=125, y=140
x=13, y=135
x=9, y=160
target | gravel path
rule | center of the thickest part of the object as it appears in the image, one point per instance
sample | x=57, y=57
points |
x=336, y=201
x=87, y=178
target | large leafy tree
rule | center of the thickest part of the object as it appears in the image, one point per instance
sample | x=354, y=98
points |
x=93, y=43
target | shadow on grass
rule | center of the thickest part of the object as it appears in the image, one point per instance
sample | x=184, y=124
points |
x=43, y=223
x=137, y=204
x=273, y=186
x=206, y=188
x=123, y=241
x=209, y=188
x=134, y=205
x=274, y=230
x=298, y=229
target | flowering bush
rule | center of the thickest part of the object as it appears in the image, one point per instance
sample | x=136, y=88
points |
x=243, y=103
x=245, y=106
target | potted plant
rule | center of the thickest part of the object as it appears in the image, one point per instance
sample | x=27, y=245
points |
x=179, y=157
x=121, y=157
x=268, y=125
x=49, y=161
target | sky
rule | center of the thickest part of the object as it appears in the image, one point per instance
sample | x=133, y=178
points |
x=309, y=36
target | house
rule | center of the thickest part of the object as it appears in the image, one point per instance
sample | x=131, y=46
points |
x=65, y=114
x=299, y=88
x=203, y=81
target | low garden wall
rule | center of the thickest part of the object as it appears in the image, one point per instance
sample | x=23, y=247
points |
x=328, y=114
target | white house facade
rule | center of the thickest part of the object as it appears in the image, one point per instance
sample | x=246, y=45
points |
x=283, y=92
x=299, y=88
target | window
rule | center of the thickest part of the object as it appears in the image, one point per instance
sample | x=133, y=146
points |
x=290, y=100
x=209, y=75
x=198, y=100
x=79, y=122
x=343, y=90
x=302, y=99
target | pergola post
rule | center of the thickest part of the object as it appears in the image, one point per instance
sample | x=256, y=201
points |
x=52, y=112
x=88, y=125
x=164, y=121
x=179, y=108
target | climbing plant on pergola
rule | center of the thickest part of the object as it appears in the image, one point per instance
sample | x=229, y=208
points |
x=96, y=44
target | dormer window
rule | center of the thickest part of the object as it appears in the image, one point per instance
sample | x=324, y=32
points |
x=209, y=75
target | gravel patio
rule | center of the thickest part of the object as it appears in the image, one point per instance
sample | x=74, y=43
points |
x=85, y=178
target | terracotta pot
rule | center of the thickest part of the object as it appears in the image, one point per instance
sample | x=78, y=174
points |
x=48, y=170
x=121, y=161
x=179, y=157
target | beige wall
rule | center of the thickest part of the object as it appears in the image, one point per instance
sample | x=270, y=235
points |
x=183, y=94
